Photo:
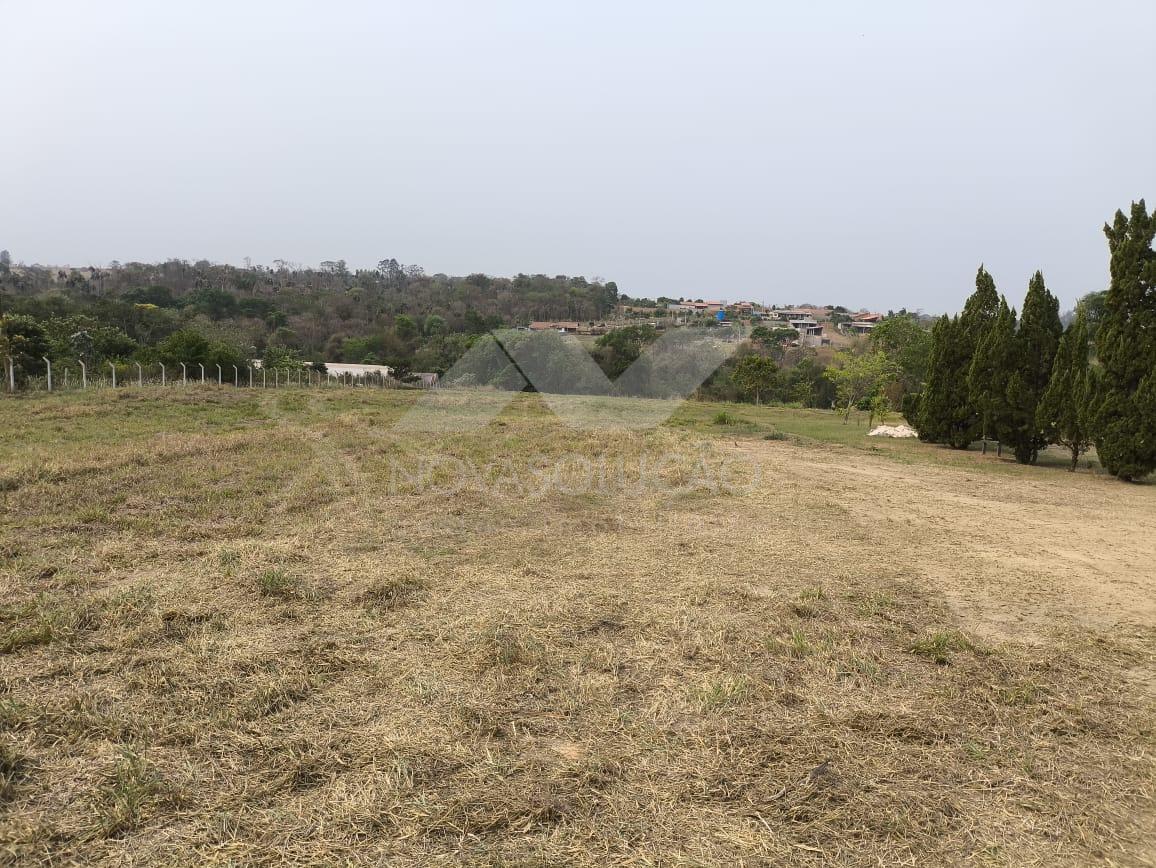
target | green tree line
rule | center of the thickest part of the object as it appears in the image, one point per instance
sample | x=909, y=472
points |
x=1025, y=381
x=203, y=312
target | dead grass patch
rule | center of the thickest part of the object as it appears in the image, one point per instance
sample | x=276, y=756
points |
x=215, y=666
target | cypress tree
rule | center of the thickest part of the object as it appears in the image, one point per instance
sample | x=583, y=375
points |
x=946, y=412
x=980, y=311
x=987, y=379
x=1125, y=412
x=1063, y=412
x=1033, y=351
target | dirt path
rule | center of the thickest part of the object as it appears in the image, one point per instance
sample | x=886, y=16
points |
x=1011, y=553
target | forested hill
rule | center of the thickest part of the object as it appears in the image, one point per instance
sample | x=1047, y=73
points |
x=392, y=312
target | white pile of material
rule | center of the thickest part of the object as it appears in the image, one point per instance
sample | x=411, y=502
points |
x=892, y=431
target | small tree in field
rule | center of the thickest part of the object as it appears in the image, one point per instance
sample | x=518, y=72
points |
x=1063, y=413
x=859, y=377
x=755, y=375
x=878, y=409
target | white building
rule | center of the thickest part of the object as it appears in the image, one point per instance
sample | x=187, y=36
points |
x=358, y=372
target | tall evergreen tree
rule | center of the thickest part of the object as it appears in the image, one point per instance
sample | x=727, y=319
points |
x=1033, y=351
x=980, y=310
x=946, y=413
x=987, y=379
x=1063, y=412
x=1125, y=412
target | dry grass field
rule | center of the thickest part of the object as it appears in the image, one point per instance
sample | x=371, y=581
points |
x=243, y=627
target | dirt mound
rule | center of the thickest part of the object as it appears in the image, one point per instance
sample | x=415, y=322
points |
x=892, y=431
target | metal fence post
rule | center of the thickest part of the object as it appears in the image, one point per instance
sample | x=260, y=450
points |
x=139, y=375
x=202, y=366
x=184, y=374
x=83, y=374
x=112, y=365
x=250, y=367
x=236, y=377
x=218, y=374
x=264, y=381
x=49, y=372
x=11, y=375
x=162, y=373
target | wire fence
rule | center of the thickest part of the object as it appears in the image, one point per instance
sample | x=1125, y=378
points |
x=69, y=376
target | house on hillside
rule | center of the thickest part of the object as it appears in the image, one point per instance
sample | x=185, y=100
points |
x=704, y=307
x=818, y=314
x=810, y=332
x=862, y=323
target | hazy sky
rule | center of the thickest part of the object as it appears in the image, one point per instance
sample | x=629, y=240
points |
x=868, y=154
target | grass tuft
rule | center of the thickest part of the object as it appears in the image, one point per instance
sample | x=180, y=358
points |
x=795, y=645
x=938, y=647
x=276, y=582
x=722, y=692
x=509, y=647
x=129, y=788
x=13, y=765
